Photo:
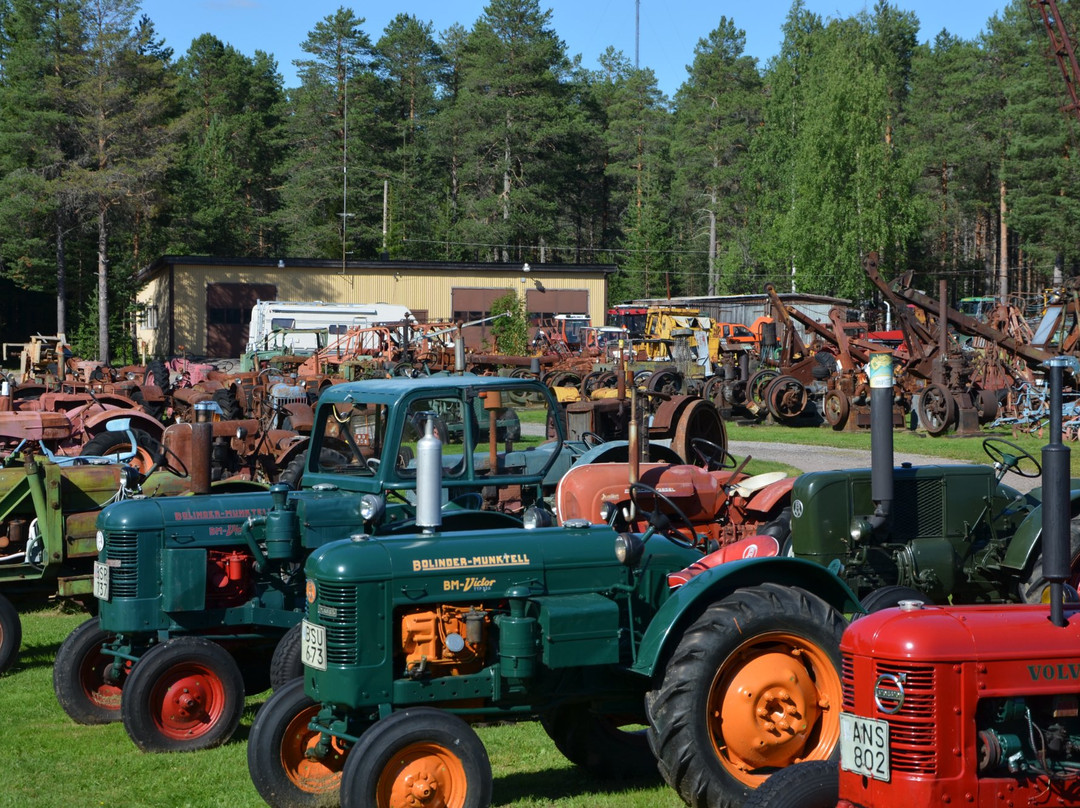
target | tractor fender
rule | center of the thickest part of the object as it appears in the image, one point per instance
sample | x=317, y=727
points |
x=291, y=449
x=691, y=599
x=765, y=499
x=1023, y=543
x=98, y=422
x=618, y=451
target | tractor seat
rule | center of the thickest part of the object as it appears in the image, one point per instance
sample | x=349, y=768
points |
x=757, y=482
x=750, y=547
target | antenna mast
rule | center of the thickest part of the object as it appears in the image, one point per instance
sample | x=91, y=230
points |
x=637, y=33
x=344, y=167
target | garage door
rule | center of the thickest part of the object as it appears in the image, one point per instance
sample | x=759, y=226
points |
x=475, y=304
x=228, y=312
x=545, y=304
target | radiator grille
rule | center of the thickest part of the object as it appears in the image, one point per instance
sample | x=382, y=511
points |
x=847, y=672
x=338, y=613
x=919, y=509
x=122, y=550
x=913, y=730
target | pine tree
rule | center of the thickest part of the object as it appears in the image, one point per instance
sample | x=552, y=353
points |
x=411, y=65
x=717, y=111
x=121, y=106
x=39, y=40
x=321, y=213
x=224, y=184
x=513, y=67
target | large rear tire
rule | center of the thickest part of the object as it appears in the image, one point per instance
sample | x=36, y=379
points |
x=283, y=773
x=1035, y=588
x=183, y=695
x=753, y=685
x=598, y=743
x=158, y=375
x=814, y=784
x=10, y=634
x=417, y=748
x=148, y=450
x=86, y=684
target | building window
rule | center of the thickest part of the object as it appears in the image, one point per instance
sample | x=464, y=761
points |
x=148, y=317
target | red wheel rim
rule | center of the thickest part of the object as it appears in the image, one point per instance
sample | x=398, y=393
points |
x=187, y=701
x=310, y=774
x=94, y=676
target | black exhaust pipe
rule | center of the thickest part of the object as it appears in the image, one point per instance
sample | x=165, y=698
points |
x=1055, y=506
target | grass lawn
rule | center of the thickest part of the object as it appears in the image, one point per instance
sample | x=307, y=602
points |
x=50, y=761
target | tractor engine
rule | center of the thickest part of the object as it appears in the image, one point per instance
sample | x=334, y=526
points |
x=960, y=706
x=445, y=641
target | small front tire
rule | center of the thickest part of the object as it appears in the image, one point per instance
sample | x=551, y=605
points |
x=417, y=748
x=285, y=665
x=814, y=784
x=10, y=634
x=86, y=684
x=183, y=695
x=281, y=770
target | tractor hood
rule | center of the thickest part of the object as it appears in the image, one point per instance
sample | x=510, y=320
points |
x=990, y=634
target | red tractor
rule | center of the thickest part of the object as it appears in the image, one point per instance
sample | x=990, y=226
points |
x=961, y=705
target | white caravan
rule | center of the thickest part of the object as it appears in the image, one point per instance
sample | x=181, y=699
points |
x=280, y=324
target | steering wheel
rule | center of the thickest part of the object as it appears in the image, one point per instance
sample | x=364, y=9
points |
x=660, y=521
x=591, y=439
x=712, y=454
x=1008, y=460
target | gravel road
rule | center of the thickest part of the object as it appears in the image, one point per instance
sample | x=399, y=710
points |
x=824, y=458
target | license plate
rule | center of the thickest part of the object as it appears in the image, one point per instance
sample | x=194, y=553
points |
x=101, y=581
x=313, y=646
x=864, y=746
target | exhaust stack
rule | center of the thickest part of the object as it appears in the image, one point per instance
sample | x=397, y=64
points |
x=880, y=373
x=1055, y=462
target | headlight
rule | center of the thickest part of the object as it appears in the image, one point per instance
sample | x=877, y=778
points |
x=372, y=507
x=607, y=511
x=628, y=549
x=536, y=517
x=860, y=530
x=130, y=478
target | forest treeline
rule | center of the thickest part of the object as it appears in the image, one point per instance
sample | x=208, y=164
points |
x=951, y=158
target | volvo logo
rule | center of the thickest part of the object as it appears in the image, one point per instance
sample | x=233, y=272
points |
x=889, y=692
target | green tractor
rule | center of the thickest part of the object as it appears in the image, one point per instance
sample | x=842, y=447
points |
x=936, y=533
x=200, y=597
x=636, y=651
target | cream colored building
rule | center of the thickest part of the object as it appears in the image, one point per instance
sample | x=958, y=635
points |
x=202, y=305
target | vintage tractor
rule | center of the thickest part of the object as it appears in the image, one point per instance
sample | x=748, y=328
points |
x=961, y=705
x=207, y=588
x=939, y=533
x=411, y=634
x=49, y=505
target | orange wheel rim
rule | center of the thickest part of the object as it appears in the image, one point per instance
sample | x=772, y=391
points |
x=426, y=775
x=775, y=701
x=314, y=775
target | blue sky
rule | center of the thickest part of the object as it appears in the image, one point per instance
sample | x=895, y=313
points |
x=669, y=28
